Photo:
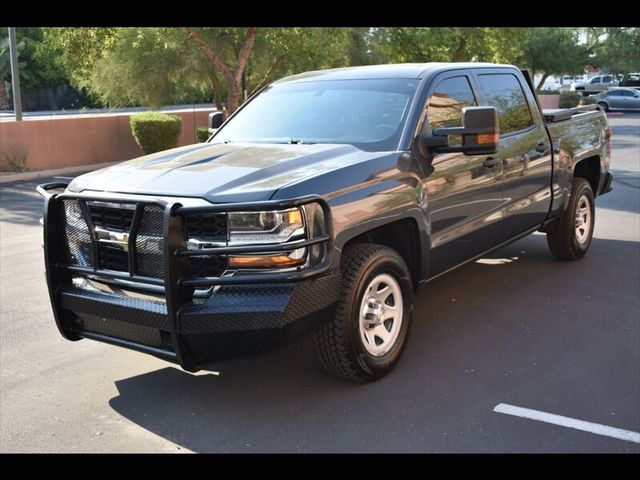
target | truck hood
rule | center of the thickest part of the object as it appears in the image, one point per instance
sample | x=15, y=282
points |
x=221, y=172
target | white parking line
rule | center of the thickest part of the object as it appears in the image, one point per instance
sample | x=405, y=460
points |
x=590, y=427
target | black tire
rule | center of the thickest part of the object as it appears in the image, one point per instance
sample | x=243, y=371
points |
x=563, y=240
x=339, y=343
x=604, y=105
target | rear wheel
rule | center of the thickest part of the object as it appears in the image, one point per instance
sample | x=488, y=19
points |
x=572, y=237
x=365, y=339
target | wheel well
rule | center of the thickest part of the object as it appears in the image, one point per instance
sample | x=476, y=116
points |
x=589, y=169
x=403, y=237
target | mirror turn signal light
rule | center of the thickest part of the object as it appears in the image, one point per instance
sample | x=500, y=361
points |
x=484, y=139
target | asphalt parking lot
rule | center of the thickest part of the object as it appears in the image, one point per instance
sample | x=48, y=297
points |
x=518, y=328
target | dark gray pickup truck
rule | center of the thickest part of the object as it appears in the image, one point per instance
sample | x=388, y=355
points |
x=321, y=204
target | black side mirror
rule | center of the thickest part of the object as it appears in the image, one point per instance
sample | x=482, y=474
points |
x=480, y=133
x=215, y=120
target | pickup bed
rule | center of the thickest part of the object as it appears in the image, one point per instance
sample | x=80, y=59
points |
x=320, y=205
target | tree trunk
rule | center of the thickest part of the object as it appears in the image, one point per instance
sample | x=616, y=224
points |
x=233, y=76
x=541, y=82
x=235, y=85
x=459, y=54
x=233, y=98
x=4, y=98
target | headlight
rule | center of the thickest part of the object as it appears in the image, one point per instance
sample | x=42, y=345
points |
x=275, y=227
x=251, y=228
x=248, y=228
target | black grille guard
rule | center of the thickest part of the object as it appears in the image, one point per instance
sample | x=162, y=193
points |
x=178, y=285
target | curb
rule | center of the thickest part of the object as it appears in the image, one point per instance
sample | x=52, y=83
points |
x=28, y=176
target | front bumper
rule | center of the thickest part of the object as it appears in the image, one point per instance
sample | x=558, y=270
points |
x=246, y=314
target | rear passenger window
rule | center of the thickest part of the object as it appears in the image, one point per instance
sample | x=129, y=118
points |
x=445, y=105
x=504, y=92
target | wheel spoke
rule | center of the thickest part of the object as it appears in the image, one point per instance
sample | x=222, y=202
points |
x=381, y=332
x=392, y=309
x=370, y=334
x=381, y=295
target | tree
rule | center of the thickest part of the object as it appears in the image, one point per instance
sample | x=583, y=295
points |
x=230, y=63
x=553, y=51
x=430, y=44
x=616, y=50
x=5, y=73
x=77, y=50
x=35, y=71
x=286, y=51
x=146, y=66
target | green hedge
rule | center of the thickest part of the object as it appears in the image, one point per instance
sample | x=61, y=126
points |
x=155, y=131
x=587, y=101
x=570, y=99
x=202, y=134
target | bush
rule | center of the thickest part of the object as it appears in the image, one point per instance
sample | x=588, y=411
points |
x=155, y=131
x=202, y=134
x=570, y=99
x=587, y=101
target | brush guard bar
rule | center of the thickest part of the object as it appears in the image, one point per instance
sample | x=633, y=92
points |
x=178, y=285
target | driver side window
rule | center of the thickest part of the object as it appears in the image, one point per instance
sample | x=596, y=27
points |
x=444, y=108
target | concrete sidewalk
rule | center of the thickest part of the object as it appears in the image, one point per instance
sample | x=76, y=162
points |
x=10, y=177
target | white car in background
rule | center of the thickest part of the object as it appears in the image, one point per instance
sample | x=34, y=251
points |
x=551, y=83
x=596, y=84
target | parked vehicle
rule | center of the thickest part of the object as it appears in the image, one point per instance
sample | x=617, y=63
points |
x=321, y=204
x=551, y=83
x=595, y=84
x=630, y=80
x=618, y=99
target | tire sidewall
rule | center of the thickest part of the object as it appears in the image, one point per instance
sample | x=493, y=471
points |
x=393, y=265
x=585, y=189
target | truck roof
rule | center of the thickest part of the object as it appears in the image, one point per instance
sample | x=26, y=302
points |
x=392, y=70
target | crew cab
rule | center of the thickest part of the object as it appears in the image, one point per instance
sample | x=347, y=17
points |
x=321, y=205
x=598, y=83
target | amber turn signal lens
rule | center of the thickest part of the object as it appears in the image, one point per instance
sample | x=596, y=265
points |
x=486, y=139
x=294, y=217
x=272, y=261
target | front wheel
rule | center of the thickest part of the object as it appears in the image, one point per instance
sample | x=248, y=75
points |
x=572, y=237
x=365, y=339
x=604, y=106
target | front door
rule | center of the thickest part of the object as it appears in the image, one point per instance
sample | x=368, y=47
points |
x=463, y=192
x=524, y=150
x=615, y=99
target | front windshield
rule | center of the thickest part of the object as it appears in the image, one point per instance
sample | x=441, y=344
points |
x=369, y=114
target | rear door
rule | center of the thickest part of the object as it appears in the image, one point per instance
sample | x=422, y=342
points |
x=463, y=193
x=524, y=150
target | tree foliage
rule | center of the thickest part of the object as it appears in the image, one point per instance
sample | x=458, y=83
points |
x=553, y=51
x=155, y=66
x=617, y=50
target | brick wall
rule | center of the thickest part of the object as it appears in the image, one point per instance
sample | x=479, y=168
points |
x=64, y=141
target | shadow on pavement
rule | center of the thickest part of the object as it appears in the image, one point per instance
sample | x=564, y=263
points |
x=20, y=203
x=486, y=331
